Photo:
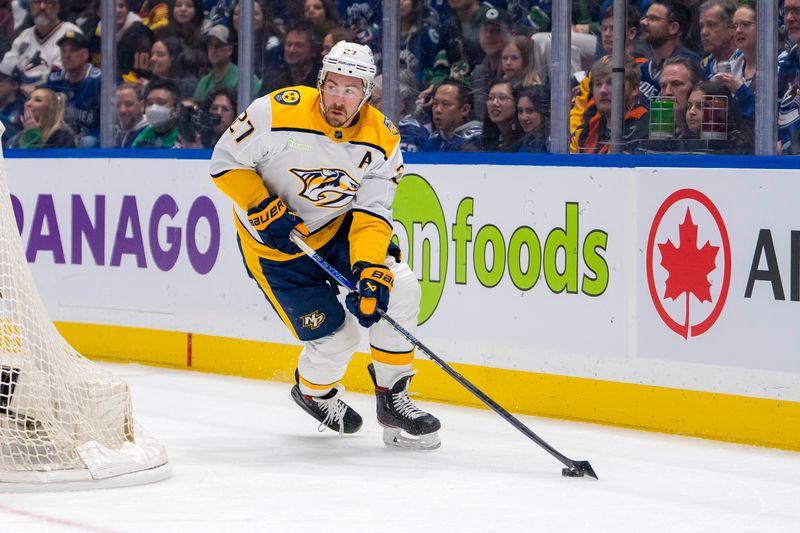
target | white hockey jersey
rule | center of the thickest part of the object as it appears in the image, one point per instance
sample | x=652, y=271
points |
x=282, y=145
x=36, y=56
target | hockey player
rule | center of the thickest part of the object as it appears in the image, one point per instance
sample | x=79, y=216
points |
x=322, y=163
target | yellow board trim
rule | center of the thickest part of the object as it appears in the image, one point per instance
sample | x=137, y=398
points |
x=725, y=417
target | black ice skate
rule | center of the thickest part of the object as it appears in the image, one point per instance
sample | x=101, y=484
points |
x=329, y=410
x=404, y=425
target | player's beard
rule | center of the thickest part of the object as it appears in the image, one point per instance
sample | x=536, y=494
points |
x=339, y=119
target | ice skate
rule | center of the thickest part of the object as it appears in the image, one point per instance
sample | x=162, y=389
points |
x=329, y=410
x=404, y=424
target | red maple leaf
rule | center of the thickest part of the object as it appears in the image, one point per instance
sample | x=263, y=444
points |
x=688, y=266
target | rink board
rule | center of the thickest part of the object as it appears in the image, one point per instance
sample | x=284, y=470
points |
x=660, y=298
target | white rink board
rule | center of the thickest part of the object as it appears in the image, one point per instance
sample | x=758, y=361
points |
x=616, y=335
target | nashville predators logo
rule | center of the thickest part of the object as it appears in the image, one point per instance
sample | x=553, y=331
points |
x=326, y=187
x=391, y=127
x=313, y=320
x=288, y=97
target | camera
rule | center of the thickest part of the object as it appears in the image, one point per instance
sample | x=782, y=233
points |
x=193, y=120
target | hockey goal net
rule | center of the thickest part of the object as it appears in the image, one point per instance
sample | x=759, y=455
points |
x=65, y=422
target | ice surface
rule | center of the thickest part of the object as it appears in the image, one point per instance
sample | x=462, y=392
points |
x=246, y=458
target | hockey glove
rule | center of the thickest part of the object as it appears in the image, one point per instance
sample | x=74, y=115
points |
x=374, y=285
x=274, y=222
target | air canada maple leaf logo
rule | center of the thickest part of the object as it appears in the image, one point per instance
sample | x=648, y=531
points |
x=688, y=266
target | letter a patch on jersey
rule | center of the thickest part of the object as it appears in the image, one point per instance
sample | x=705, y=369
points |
x=326, y=187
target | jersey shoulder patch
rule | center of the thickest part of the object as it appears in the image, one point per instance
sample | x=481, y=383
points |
x=391, y=127
x=287, y=97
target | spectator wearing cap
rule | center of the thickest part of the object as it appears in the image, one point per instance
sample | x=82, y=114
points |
x=223, y=72
x=12, y=101
x=663, y=27
x=493, y=35
x=79, y=81
x=35, y=51
x=130, y=114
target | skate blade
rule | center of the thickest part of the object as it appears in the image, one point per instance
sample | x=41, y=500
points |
x=396, y=438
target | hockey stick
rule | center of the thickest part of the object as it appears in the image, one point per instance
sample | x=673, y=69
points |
x=574, y=468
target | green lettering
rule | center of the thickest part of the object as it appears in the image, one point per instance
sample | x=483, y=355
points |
x=596, y=264
x=489, y=277
x=462, y=234
x=527, y=278
x=563, y=239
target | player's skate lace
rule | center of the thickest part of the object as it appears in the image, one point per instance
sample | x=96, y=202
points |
x=404, y=406
x=334, y=412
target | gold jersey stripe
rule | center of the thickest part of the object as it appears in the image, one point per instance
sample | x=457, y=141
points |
x=243, y=186
x=316, y=386
x=391, y=358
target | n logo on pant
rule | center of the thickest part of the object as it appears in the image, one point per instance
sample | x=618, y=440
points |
x=313, y=320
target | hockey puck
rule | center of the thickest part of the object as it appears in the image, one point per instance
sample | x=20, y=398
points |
x=568, y=472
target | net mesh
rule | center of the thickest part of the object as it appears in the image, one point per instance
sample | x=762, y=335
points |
x=52, y=399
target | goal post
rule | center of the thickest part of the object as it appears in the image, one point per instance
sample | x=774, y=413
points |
x=65, y=422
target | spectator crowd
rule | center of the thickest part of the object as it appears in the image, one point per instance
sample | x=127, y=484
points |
x=474, y=75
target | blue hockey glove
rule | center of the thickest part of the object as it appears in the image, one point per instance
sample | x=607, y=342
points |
x=374, y=285
x=274, y=222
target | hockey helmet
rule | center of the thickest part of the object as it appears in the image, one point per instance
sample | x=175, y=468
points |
x=350, y=59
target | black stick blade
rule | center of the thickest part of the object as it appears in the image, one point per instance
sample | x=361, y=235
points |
x=579, y=469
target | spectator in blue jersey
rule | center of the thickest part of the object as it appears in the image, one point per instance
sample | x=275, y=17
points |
x=418, y=40
x=451, y=107
x=79, y=80
x=161, y=113
x=130, y=114
x=716, y=36
x=789, y=83
x=12, y=101
x=663, y=28
x=364, y=17
x=43, y=122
